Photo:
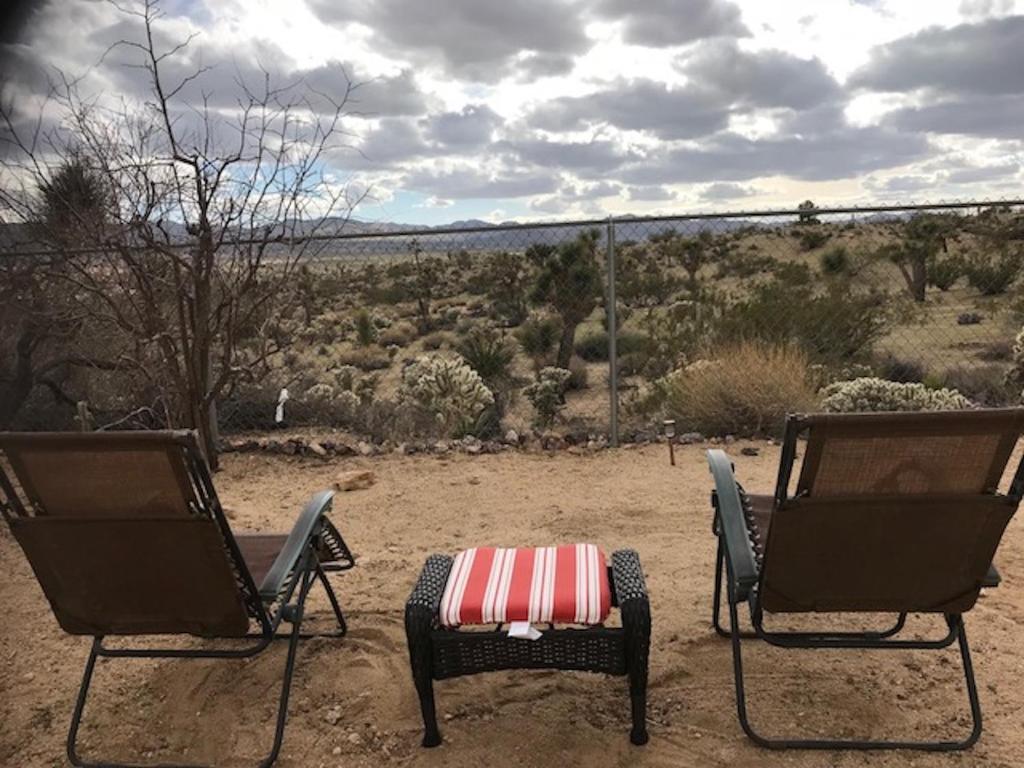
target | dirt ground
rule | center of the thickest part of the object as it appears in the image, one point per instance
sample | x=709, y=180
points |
x=353, y=701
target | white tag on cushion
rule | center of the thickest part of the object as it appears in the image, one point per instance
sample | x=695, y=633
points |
x=523, y=630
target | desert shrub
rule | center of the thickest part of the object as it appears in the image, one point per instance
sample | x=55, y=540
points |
x=743, y=265
x=594, y=346
x=744, y=389
x=894, y=368
x=943, y=273
x=400, y=334
x=434, y=341
x=366, y=331
x=538, y=337
x=793, y=274
x=992, y=274
x=578, y=377
x=996, y=351
x=836, y=261
x=986, y=385
x=812, y=238
x=490, y=354
x=872, y=394
x=547, y=395
x=835, y=326
x=1016, y=373
x=365, y=358
x=448, y=390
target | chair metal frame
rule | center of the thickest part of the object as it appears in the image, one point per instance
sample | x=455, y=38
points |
x=313, y=549
x=738, y=567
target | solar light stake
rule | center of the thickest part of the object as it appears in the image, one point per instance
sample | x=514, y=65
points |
x=670, y=433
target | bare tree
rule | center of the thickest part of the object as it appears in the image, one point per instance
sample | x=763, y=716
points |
x=213, y=211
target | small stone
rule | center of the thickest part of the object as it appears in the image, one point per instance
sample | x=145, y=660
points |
x=474, y=481
x=355, y=738
x=750, y=450
x=441, y=446
x=28, y=677
x=333, y=715
x=689, y=438
x=355, y=480
x=472, y=445
x=336, y=751
x=730, y=439
x=364, y=448
x=319, y=450
x=512, y=437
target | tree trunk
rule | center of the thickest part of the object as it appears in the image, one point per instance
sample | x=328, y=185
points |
x=919, y=278
x=14, y=394
x=565, y=345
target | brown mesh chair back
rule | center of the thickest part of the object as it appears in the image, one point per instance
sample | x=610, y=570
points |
x=892, y=511
x=124, y=533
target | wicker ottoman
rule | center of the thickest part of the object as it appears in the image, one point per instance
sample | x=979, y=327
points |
x=437, y=652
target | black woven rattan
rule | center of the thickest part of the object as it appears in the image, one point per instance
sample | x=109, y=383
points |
x=438, y=653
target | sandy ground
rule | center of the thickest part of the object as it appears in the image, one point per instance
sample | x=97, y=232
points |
x=222, y=711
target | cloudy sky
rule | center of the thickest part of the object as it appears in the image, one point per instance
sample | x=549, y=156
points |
x=542, y=109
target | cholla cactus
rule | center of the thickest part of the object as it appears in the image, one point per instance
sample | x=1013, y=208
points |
x=347, y=376
x=320, y=393
x=547, y=394
x=1016, y=373
x=872, y=394
x=448, y=389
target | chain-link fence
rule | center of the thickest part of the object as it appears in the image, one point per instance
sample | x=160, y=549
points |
x=722, y=322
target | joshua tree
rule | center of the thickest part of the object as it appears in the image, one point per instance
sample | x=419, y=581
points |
x=569, y=282
x=923, y=237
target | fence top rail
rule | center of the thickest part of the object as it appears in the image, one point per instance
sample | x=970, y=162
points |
x=11, y=249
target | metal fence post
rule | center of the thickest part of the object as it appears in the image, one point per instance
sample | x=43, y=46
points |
x=613, y=357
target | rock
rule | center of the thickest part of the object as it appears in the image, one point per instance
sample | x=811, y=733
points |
x=355, y=738
x=512, y=437
x=750, y=450
x=689, y=438
x=316, y=448
x=969, y=318
x=364, y=448
x=355, y=480
x=336, y=751
x=441, y=446
x=333, y=715
x=730, y=439
x=474, y=481
x=472, y=444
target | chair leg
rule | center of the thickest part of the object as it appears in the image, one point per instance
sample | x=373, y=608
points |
x=853, y=744
x=333, y=598
x=294, y=616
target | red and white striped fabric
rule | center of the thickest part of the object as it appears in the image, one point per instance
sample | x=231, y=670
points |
x=488, y=585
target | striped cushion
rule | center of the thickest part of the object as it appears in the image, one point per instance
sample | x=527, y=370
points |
x=489, y=585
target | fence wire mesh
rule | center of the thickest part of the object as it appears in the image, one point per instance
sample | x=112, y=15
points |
x=722, y=322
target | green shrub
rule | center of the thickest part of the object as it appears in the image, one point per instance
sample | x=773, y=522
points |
x=547, y=395
x=447, y=389
x=943, y=273
x=986, y=385
x=579, y=377
x=594, y=346
x=836, y=261
x=488, y=353
x=834, y=327
x=893, y=368
x=538, y=337
x=992, y=275
x=812, y=238
x=366, y=331
x=871, y=394
x=744, y=389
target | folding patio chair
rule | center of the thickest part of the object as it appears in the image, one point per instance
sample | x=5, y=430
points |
x=892, y=513
x=126, y=536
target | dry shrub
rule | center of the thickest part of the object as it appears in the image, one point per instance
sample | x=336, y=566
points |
x=744, y=389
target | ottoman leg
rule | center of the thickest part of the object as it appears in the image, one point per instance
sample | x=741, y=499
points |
x=636, y=624
x=420, y=618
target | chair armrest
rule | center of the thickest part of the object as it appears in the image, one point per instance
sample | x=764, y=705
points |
x=305, y=528
x=732, y=524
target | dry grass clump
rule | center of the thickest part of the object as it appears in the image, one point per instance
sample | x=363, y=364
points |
x=743, y=389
